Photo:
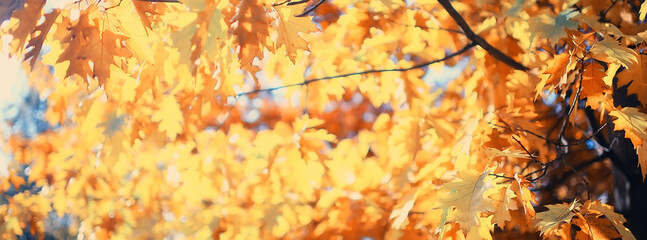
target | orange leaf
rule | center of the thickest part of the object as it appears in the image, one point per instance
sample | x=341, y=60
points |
x=289, y=28
x=636, y=77
x=250, y=29
x=633, y=122
x=593, y=87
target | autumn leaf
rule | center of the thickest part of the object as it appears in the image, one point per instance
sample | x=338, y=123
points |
x=469, y=197
x=524, y=196
x=552, y=26
x=593, y=86
x=502, y=213
x=642, y=11
x=493, y=152
x=23, y=23
x=617, y=219
x=36, y=42
x=549, y=221
x=633, y=122
x=202, y=30
x=250, y=30
x=609, y=50
x=635, y=77
x=556, y=72
x=641, y=151
x=289, y=27
x=90, y=52
x=138, y=38
x=400, y=213
x=169, y=117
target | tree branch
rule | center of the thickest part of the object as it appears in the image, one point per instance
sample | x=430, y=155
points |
x=478, y=40
x=306, y=82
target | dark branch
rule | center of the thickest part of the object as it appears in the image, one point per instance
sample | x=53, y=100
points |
x=314, y=7
x=579, y=167
x=306, y=82
x=478, y=40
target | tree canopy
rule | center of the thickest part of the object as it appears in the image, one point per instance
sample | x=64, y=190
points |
x=288, y=119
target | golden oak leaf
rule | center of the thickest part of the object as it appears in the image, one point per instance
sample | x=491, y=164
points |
x=138, y=39
x=636, y=77
x=594, y=227
x=289, y=28
x=92, y=118
x=469, y=196
x=36, y=42
x=642, y=158
x=617, y=219
x=404, y=141
x=593, y=87
x=633, y=122
x=549, y=221
x=90, y=52
x=249, y=26
x=169, y=116
x=553, y=26
x=609, y=50
x=202, y=31
x=414, y=86
x=493, y=152
x=144, y=9
x=462, y=146
x=603, y=27
x=643, y=11
x=482, y=231
x=23, y=23
x=524, y=196
x=400, y=212
x=556, y=72
x=502, y=213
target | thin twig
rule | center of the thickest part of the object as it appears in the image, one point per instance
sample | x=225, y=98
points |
x=306, y=82
x=478, y=39
x=579, y=167
x=314, y=7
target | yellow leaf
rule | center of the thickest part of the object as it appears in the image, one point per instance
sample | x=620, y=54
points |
x=169, y=116
x=493, y=152
x=643, y=11
x=617, y=219
x=36, y=42
x=593, y=87
x=609, y=50
x=400, y=212
x=23, y=23
x=549, y=221
x=642, y=158
x=502, y=213
x=633, y=122
x=290, y=26
x=556, y=72
x=250, y=30
x=636, y=77
x=469, y=196
x=138, y=39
